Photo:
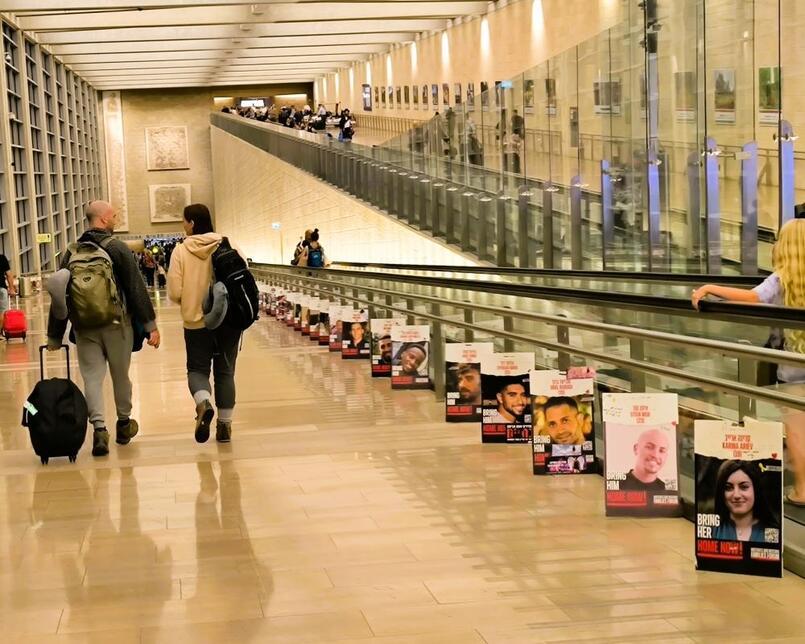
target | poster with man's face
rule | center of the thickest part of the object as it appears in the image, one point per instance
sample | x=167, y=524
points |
x=410, y=354
x=355, y=336
x=563, y=421
x=463, y=380
x=337, y=315
x=739, y=497
x=304, y=317
x=324, y=322
x=382, y=345
x=505, y=401
x=642, y=478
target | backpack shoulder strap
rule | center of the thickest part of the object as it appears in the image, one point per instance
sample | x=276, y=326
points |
x=225, y=244
x=104, y=243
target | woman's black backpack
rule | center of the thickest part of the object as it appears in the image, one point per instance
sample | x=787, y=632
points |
x=229, y=268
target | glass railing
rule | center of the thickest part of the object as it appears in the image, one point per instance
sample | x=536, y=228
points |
x=658, y=145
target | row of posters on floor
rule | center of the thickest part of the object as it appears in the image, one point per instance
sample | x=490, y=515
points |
x=738, y=468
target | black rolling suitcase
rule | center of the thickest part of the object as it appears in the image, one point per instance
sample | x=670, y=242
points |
x=56, y=414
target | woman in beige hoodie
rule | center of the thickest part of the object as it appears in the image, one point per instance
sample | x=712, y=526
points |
x=189, y=280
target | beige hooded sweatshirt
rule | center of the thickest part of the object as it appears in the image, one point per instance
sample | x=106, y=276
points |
x=190, y=275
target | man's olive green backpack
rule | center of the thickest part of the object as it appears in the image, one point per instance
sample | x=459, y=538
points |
x=94, y=299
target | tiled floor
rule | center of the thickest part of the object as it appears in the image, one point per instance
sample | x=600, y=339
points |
x=341, y=511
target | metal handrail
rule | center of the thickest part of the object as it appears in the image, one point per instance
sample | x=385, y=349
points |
x=740, y=389
x=685, y=278
x=756, y=314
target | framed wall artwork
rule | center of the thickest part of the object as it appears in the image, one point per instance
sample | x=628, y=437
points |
x=366, y=95
x=768, y=95
x=528, y=95
x=168, y=201
x=166, y=148
x=724, y=84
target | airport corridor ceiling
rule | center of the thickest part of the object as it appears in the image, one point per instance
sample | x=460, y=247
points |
x=120, y=44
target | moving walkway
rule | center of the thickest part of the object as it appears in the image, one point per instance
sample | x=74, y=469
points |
x=638, y=342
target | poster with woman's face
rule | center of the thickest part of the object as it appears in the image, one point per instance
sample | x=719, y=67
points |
x=410, y=355
x=313, y=325
x=642, y=478
x=562, y=405
x=355, y=337
x=739, y=497
x=324, y=323
x=463, y=380
x=505, y=401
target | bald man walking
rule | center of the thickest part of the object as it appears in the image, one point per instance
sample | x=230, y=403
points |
x=111, y=342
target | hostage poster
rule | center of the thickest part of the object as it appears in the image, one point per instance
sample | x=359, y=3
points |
x=563, y=421
x=355, y=339
x=337, y=315
x=313, y=324
x=324, y=323
x=381, y=345
x=739, y=497
x=410, y=356
x=463, y=380
x=642, y=477
x=505, y=401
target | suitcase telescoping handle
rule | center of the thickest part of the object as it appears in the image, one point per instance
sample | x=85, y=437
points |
x=42, y=350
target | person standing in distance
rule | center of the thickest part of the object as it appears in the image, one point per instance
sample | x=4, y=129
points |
x=111, y=343
x=6, y=287
x=189, y=279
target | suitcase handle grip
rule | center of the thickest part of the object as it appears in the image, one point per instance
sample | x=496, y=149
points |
x=42, y=350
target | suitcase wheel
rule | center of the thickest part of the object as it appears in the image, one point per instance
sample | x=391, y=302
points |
x=72, y=457
x=44, y=460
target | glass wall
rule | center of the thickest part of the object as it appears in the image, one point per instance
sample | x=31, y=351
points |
x=53, y=139
x=668, y=142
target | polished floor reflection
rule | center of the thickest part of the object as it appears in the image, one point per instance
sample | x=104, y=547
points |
x=341, y=512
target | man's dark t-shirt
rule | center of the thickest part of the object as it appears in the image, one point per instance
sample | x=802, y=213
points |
x=631, y=482
x=4, y=268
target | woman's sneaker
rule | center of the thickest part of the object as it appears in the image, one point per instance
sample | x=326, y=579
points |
x=204, y=414
x=223, y=431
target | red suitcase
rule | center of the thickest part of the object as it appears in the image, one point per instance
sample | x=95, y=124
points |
x=15, y=325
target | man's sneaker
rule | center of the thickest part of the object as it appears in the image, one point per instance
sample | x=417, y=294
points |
x=204, y=414
x=223, y=431
x=126, y=430
x=100, y=442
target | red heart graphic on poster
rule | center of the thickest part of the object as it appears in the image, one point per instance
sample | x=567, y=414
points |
x=774, y=455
